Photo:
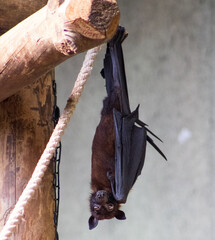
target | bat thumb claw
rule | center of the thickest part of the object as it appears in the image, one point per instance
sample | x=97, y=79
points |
x=109, y=175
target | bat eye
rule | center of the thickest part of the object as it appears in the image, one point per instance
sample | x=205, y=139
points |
x=110, y=207
x=96, y=207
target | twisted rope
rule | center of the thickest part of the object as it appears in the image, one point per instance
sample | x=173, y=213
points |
x=33, y=184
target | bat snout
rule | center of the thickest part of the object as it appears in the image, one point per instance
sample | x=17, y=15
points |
x=101, y=196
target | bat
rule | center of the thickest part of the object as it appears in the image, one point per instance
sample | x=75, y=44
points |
x=119, y=144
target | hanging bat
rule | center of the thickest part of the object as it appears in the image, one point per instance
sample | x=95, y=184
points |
x=119, y=145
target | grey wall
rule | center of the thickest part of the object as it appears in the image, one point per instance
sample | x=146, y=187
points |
x=170, y=61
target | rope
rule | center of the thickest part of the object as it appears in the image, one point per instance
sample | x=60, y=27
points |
x=33, y=184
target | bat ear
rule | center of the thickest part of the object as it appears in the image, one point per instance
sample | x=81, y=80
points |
x=120, y=215
x=93, y=222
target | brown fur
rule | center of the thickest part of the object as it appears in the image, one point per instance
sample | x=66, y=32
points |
x=103, y=148
x=103, y=161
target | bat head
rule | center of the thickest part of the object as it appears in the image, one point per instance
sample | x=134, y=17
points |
x=103, y=206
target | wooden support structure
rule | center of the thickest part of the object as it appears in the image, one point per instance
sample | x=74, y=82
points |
x=28, y=54
x=25, y=127
x=50, y=36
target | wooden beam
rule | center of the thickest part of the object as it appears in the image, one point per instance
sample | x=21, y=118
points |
x=14, y=11
x=50, y=36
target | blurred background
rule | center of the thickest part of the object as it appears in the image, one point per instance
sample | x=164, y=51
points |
x=170, y=58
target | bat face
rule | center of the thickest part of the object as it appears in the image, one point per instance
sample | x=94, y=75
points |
x=103, y=206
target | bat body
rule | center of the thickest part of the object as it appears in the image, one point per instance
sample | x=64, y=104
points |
x=119, y=145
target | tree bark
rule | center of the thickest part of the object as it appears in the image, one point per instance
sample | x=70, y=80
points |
x=25, y=127
x=14, y=11
x=50, y=36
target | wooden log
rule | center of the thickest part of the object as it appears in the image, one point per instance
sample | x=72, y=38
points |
x=25, y=127
x=50, y=36
x=14, y=11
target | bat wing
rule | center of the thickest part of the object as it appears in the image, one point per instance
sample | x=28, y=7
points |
x=130, y=140
x=130, y=145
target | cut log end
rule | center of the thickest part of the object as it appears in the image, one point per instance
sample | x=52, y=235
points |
x=93, y=19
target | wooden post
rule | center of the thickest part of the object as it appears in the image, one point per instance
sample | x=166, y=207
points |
x=25, y=127
x=28, y=53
